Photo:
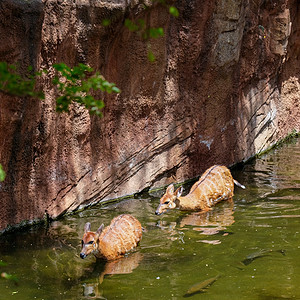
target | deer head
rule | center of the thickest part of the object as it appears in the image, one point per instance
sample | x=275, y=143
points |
x=89, y=243
x=168, y=200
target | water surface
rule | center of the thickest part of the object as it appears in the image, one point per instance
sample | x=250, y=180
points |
x=251, y=244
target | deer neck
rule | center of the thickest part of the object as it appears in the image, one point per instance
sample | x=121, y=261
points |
x=190, y=202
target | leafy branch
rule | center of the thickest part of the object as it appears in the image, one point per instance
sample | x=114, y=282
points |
x=2, y=173
x=76, y=85
x=12, y=83
x=139, y=26
x=172, y=9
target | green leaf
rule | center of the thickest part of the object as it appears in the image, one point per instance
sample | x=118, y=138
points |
x=174, y=11
x=106, y=22
x=156, y=32
x=131, y=25
x=76, y=84
x=116, y=90
x=151, y=56
x=12, y=83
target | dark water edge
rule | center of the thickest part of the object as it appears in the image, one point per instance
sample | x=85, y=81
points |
x=251, y=245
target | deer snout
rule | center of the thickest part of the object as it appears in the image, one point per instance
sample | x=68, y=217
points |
x=159, y=210
x=82, y=255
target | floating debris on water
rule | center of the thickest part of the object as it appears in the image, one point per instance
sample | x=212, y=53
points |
x=258, y=254
x=200, y=287
x=211, y=242
x=207, y=231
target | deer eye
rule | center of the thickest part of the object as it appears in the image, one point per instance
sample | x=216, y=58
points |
x=90, y=242
x=167, y=202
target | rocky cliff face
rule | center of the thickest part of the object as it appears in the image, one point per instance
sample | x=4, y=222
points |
x=225, y=86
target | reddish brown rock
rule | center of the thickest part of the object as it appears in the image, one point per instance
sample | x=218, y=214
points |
x=225, y=86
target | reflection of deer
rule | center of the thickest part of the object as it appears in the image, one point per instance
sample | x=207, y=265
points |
x=123, y=265
x=206, y=222
x=112, y=242
x=219, y=218
x=92, y=289
x=215, y=185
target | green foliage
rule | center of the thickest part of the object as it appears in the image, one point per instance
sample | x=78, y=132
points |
x=2, y=177
x=146, y=33
x=151, y=56
x=12, y=83
x=154, y=33
x=134, y=26
x=138, y=26
x=76, y=84
x=106, y=22
x=174, y=11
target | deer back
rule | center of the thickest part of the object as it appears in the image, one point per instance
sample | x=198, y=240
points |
x=122, y=235
x=216, y=184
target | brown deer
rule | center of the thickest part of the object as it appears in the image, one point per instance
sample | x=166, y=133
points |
x=112, y=242
x=216, y=184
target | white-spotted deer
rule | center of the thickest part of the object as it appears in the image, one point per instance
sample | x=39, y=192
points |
x=216, y=184
x=112, y=242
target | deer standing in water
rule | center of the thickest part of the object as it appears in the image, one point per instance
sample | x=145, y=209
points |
x=112, y=242
x=216, y=184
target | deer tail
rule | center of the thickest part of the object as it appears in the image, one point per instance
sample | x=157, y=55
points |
x=238, y=184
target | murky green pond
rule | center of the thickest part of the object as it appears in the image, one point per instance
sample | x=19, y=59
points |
x=251, y=246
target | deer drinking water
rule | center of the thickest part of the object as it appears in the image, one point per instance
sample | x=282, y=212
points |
x=216, y=184
x=112, y=242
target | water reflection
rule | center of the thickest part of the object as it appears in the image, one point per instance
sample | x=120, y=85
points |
x=220, y=217
x=124, y=265
x=207, y=223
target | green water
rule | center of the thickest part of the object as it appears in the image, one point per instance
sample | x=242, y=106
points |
x=253, y=245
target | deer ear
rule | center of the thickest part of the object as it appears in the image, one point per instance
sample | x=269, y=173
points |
x=100, y=229
x=170, y=189
x=179, y=191
x=87, y=227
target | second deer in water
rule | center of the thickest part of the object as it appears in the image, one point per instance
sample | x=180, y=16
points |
x=216, y=184
x=112, y=242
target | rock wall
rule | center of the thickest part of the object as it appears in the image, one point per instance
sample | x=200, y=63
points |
x=224, y=86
